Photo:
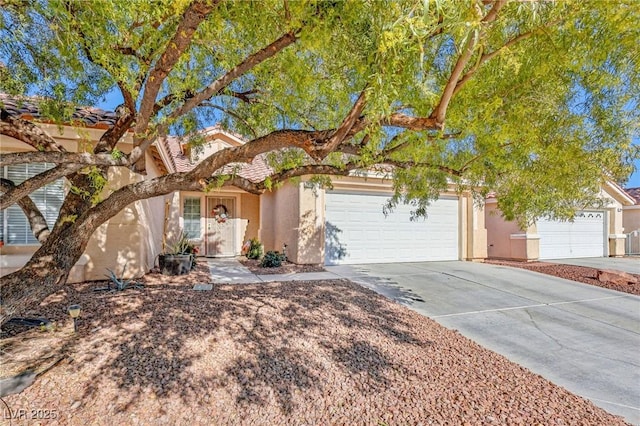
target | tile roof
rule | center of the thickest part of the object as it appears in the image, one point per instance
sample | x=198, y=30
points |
x=28, y=108
x=634, y=193
x=255, y=171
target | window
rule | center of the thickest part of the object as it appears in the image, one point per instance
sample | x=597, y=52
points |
x=14, y=226
x=191, y=215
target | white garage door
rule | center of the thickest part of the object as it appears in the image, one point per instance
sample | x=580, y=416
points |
x=582, y=238
x=358, y=232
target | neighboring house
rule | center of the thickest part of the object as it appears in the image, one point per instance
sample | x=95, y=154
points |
x=593, y=233
x=133, y=236
x=631, y=214
x=343, y=225
x=340, y=226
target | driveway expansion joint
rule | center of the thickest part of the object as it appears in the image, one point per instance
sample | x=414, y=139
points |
x=538, y=305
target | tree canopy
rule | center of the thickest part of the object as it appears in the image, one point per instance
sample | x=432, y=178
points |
x=537, y=101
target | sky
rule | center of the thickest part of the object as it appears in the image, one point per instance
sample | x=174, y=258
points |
x=113, y=99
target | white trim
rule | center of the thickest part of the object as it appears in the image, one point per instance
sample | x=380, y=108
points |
x=634, y=207
x=524, y=237
x=161, y=147
x=622, y=195
x=617, y=236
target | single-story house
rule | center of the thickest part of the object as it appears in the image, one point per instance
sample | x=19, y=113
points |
x=338, y=226
x=342, y=225
x=132, y=237
x=597, y=232
x=631, y=214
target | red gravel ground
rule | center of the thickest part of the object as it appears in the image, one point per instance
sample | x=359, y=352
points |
x=570, y=272
x=293, y=353
x=286, y=268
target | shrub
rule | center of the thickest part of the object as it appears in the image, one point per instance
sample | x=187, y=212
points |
x=272, y=259
x=119, y=282
x=255, y=249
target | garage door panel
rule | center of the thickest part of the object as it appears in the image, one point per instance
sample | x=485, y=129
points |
x=359, y=232
x=585, y=237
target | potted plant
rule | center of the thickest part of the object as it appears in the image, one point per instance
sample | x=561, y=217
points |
x=179, y=256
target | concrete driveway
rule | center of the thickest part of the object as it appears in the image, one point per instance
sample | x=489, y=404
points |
x=584, y=338
x=625, y=264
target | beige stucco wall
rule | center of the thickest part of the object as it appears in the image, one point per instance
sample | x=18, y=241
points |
x=616, y=234
x=506, y=240
x=631, y=218
x=251, y=212
x=130, y=237
x=310, y=243
x=280, y=219
x=295, y=215
x=473, y=229
x=247, y=209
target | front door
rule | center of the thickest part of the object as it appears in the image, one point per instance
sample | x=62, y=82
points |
x=220, y=235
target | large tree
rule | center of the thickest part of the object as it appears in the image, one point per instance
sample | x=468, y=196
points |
x=536, y=101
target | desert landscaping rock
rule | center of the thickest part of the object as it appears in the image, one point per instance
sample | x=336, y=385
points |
x=294, y=353
x=616, y=277
x=581, y=274
x=286, y=268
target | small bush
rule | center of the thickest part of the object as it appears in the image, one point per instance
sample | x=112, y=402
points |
x=272, y=259
x=255, y=249
x=120, y=284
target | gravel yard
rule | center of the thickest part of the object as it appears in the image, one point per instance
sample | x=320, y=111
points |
x=322, y=352
x=581, y=274
x=286, y=268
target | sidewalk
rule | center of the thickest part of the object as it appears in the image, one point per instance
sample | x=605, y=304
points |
x=230, y=271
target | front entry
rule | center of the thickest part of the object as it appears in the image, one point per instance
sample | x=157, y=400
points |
x=220, y=226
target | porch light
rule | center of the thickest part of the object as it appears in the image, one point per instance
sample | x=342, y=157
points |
x=74, y=312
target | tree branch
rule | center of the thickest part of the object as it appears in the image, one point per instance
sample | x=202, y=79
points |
x=29, y=133
x=411, y=164
x=36, y=220
x=191, y=19
x=341, y=133
x=247, y=64
x=83, y=158
x=18, y=192
x=440, y=111
x=220, y=84
x=488, y=56
x=232, y=114
x=412, y=123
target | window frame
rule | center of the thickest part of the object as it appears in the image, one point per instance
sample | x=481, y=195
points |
x=191, y=218
x=53, y=190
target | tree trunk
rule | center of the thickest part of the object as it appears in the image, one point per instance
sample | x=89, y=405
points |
x=45, y=272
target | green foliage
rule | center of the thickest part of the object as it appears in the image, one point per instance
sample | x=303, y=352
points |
x=255, y=249
x=120, y=284
x=181, y=244
x=542, y=122
x=116, y=154
x=69, y=218
x=272, y=259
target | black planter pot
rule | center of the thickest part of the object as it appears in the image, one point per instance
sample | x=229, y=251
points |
x=174, y=264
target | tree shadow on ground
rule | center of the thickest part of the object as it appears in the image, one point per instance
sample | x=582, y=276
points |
x=160, y=340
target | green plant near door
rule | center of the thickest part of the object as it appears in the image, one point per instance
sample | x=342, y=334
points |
x=255, y=249
x=272, y=259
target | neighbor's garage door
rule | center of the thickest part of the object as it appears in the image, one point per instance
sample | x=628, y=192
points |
x=358, y=232
x=585, y=237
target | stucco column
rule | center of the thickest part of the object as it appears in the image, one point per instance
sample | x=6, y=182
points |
x=615, y=234
x=475, y=230
x=526, y=245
